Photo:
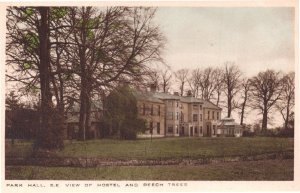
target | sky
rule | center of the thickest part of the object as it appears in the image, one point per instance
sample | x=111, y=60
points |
x=253, y=38
x=256, y=39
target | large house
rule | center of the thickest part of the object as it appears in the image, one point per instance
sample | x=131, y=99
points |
x=166, y=115
x=173, y=115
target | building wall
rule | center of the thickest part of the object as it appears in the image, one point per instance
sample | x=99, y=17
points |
x=210, y=122
x=172, y=107
x=154, y=114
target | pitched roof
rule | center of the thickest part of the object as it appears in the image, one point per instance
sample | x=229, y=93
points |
x=146, y=96
x=210, y=105
x=187, y=99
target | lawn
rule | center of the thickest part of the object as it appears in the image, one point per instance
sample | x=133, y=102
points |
x=250, y=170
x=163, y=148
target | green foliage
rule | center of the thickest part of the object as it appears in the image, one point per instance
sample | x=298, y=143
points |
x=121, y=113
x=27, y=12
x=58, y=12
x=31, y=42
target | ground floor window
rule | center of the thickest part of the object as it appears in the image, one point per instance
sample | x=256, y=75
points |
x=214, y=129
x=196, y=129
x=176, y=129
x=158, y=127
x=170, y=128
x=200, y=129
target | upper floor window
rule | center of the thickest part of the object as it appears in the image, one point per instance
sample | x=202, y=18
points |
x=195, y=117
x=218, y=116
x=200, y=117
x=177, y=115
x=151, y=109
x=200, y=107
x=170, y=115
x=158, y=110
x=208, y=113
x=213, y=115
x=177, y=104
x=144, y=109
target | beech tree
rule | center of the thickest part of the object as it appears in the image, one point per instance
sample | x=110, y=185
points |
x=231, y=78
x=266, y=89
x=28, y=54
x=182, y=77
x=111, y=46
x=166, y=78
x=245, y=91
x=287, y=99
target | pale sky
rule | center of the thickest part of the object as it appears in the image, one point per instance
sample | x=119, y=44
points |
x=254, y=38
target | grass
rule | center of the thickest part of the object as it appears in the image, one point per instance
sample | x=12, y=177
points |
x=163, y=148
x=251, y=170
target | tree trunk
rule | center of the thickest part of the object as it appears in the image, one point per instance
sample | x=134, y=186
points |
x=229, y=106
x=287, y=115
x=265, y=119
x=47, y=137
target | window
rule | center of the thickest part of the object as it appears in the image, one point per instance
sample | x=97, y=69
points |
x=151, y=127
x=200, y=107
x=158, y=110
x=200, y=129
x=213, y=115
x=217, y=115
x=182, y=116
x=158, y=127
x=195, y=117
x=208, y=115
x=144, y=109
x=177, y=104
x=196, y=129
x=200, y=117
x=214, y=129
x=151, y=109
x=176, y=129
x=170, y=116
x=177, y=115
x=170, y=128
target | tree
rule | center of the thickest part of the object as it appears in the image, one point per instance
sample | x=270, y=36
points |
x=195, y=82
x=266, y=88
x=121, y=113
x=28, y=49
x=231, y=78
x=113, y=45
x=166, y=77
x=245, y=86
x=181, y=76
x=287, y=100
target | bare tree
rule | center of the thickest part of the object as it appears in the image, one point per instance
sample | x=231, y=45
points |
x=182, y=77
x=194, y=81
x=266, y=88
x=219, y=84
x=166, y=77
x=245, y=87
x=287, y=102
x=231, y=78
x=113, y=45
